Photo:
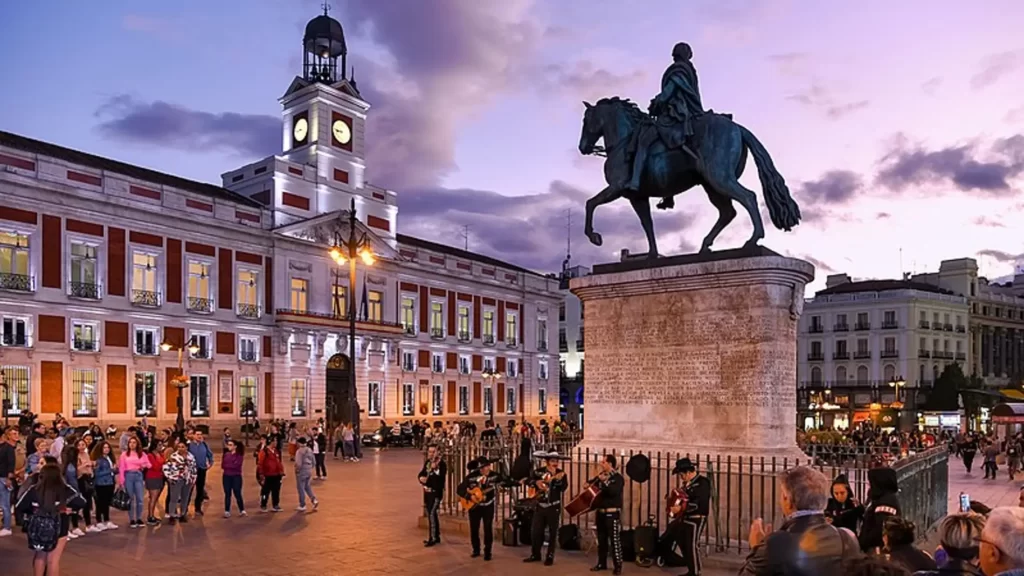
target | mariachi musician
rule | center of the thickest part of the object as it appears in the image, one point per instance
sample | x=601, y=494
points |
x=548, y=483
x=482, y=477
x=688, y=511
x=432, y=477
x=608, y=506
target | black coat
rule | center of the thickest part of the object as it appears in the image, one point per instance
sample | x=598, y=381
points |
x=884, y=504
x=803, y=546
x=844, y=515
x=911, y=558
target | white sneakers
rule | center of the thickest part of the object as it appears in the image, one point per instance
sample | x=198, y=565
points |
x=300, y=509
x=109, y=526
x=243, y=513
x=94, y=528
x=227, y=514
x=5, y=532
x=77, y=532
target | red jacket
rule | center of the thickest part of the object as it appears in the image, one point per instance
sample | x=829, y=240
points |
x=269, y=464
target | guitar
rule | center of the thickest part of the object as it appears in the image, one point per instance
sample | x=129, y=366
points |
x=534, y=492
x=474, y=495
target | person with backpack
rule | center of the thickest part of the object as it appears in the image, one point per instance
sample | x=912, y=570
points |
x=46, y=505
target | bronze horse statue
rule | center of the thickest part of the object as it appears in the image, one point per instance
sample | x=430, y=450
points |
x=721, y=146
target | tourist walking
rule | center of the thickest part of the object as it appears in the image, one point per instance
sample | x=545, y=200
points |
x=180, y=472
x=130, y=469
x=319, y=447
x=154, y=481
x=991, y=453
x=305, y=459
x=348, y=440
x=270, y=471
x=967, y=451
x=46, y=505
x=203, y=456
x=231, y=464
x=104, y=474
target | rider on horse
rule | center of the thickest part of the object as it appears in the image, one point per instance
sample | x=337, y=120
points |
x=673, y=109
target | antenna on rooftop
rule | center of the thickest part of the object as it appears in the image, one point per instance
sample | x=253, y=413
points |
x=568, y=239
x=902, y=271
x=465, y=236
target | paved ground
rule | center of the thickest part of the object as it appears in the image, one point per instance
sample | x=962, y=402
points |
x=366, y=525
x=993, y=493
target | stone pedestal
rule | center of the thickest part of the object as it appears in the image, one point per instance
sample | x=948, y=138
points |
x=694, y=353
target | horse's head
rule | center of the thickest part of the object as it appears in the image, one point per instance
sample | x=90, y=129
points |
x=593, y=127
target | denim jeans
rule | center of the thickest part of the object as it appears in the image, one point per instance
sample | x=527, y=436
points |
x=5, y=504
x=233, y=486
x=180, y=491
x=304, y=486
x=348, y=449
x=135, y=487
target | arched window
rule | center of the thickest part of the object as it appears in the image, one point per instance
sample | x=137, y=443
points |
x=841, y=375
x=888, y=373
x=816, y=375
x=862, y=374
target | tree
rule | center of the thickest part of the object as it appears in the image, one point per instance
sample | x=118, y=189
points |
x=945, y=394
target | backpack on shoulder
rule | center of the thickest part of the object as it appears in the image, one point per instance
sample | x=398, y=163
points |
x=43, y=530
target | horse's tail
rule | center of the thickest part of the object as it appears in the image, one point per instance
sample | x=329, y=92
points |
x=781, y=207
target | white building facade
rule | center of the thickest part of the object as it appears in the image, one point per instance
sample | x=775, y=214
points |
x=858, y=339
x=102, y=262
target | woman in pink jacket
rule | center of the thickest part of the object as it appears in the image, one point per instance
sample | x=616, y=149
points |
x=131, y=467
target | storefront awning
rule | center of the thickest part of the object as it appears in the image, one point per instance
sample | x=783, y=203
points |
x=1012, y=394
x=1008, y=413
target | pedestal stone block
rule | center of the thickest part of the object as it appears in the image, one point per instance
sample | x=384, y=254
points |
x=694, y=353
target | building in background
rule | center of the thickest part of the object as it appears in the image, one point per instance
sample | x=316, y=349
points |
x=860, y=341
x=571, y=351
x=996, y=322
x=101, y=262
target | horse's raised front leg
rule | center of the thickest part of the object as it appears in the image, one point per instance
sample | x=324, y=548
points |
x=726, y=212
x=642, y=207
x=603, y=197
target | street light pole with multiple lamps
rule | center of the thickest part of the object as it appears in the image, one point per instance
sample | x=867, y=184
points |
x=181, y=381
x=346, y=251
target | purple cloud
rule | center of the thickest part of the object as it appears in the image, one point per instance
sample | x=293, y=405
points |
x=906, y=166
x=162, y=124
x=1001, y=256
x=833, y=187
x=995, y=67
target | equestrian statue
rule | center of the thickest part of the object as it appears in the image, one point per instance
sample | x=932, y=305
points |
x=675, y=147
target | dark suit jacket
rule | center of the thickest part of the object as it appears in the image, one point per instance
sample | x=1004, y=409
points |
x=803, y=546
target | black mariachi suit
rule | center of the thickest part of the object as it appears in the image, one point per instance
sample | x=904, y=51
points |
x=690, y=527
x=548, y=512
x=482, y=512
x=433, y=478
x=608, y=505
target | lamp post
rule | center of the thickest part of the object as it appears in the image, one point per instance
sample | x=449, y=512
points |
x=181, y=382
x=491, y=377
x=896, y=404
x=7, y=397
x=346, y=251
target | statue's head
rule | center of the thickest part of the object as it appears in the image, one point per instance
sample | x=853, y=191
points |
x=682, y=51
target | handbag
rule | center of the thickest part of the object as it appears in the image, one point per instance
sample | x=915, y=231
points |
x=121, y=500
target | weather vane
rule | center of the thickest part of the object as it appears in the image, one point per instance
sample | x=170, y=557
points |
x=326, y=7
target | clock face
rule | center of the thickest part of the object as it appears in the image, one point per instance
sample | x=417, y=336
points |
x=300, y=129
x=342, y=133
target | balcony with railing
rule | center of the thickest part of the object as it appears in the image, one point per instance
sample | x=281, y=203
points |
x=579, y=345
x=862, y=354
x=200, y=305
x=816, y=357
x=943, y=355
x=816, y=329
x=250, y=311
x=203, y=354
x=890, y=325
x=465, y=337
x=437, y=333
x=488, y=339
x=409, y=329
x=890, y=353
x=842, y=327
x=936, y=325
x=146, y=298
x=363, y=324
x=563, y=345
x=511, y=342
x=947, y=327
x=961, y=356
x=861, y=326
x=17, y=282
x=247, y=355
x=842, y=355
x=81, y=344
x=15, y=340
x=542, y=346
x=961, y=329
x=924, y=354
x=84, y=290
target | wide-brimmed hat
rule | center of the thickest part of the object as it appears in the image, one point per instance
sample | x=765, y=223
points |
x=552, y=455
x=683, y=465
x=485, y=461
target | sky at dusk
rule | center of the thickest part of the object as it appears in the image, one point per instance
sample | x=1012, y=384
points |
x=899, y=126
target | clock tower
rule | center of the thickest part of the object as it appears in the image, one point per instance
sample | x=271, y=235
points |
x=322, y=165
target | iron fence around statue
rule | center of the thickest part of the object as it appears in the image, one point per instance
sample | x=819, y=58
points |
x=743, y=487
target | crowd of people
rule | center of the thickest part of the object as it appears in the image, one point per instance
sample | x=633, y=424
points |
x=994, y=451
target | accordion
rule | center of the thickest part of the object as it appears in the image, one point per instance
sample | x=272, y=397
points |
x=677, y=497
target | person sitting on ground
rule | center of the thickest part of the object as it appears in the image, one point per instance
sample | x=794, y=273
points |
x=805, y=544
x=899, y=535
x=958, y=537
x=1001, y=546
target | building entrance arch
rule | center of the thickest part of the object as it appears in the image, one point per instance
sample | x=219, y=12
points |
x=338, y=389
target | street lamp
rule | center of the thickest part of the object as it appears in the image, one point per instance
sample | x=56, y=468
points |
x=181, y=381
x=492, y=377
x=346, y=251
x=896, y=404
